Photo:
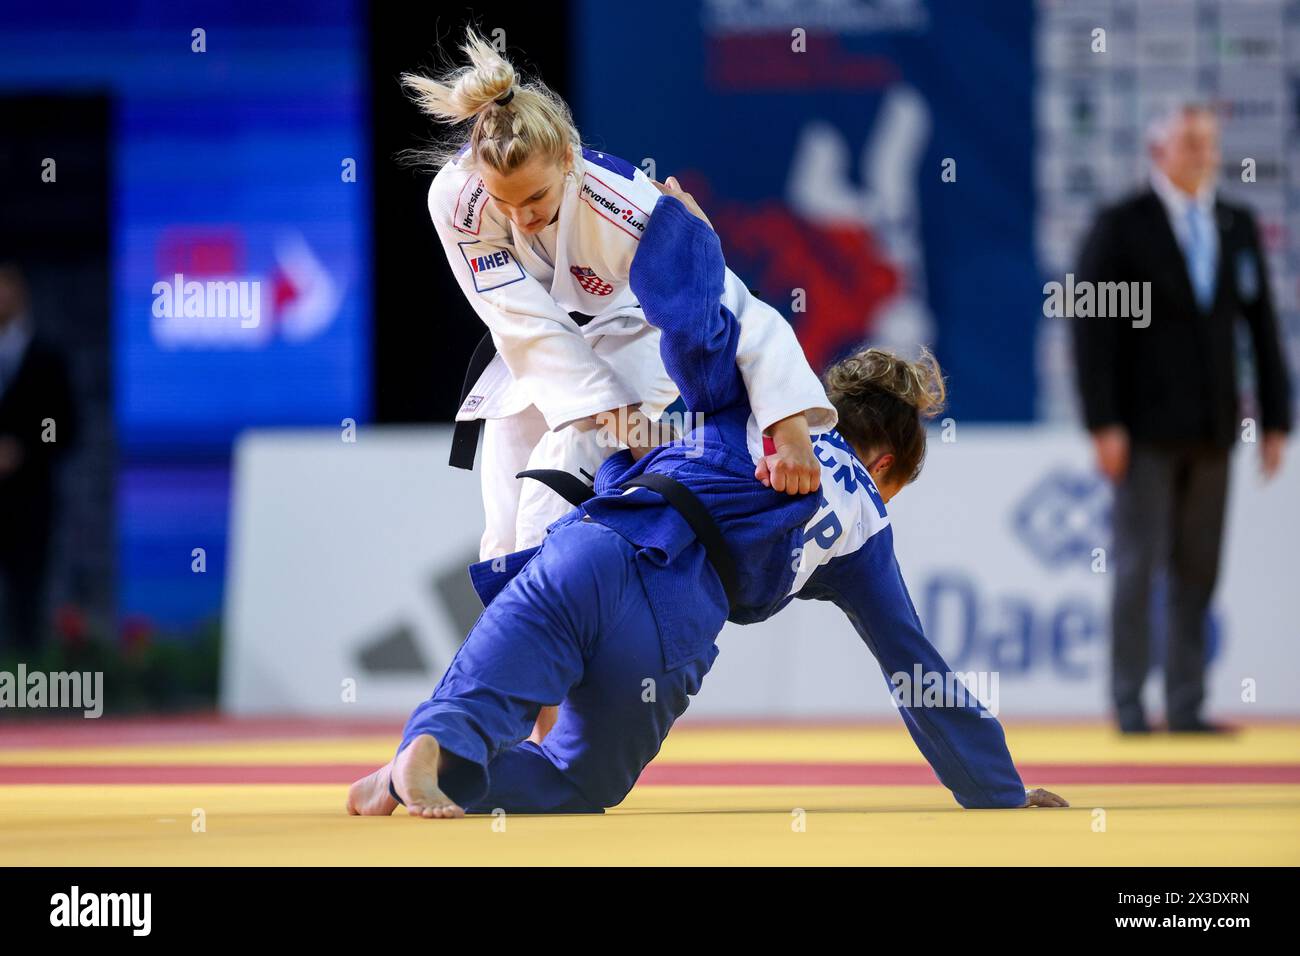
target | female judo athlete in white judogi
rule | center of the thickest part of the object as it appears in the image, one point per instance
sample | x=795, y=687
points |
x=540, y=234
x=616, y=613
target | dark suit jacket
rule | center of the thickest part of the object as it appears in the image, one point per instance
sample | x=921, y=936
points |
x=38, y=391
x=1176, y=380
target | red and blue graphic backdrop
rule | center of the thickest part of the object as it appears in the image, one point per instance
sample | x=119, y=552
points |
x=822, y=168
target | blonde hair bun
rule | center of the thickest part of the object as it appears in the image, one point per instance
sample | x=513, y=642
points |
x=513, y=120
x=463, y=93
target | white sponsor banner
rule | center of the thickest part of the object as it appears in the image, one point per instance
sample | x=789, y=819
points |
x=347, y=593
x=336, y=548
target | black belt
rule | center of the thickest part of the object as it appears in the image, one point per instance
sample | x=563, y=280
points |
x=682, y=499
x=464, y=437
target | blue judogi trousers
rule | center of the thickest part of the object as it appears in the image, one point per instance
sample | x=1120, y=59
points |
x=574, y=628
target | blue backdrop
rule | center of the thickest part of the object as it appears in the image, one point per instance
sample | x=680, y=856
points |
x=227, y=166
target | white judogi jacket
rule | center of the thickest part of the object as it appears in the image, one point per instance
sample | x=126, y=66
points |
x=570, y=372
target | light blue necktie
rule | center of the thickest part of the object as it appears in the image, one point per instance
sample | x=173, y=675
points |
x=1201, y=255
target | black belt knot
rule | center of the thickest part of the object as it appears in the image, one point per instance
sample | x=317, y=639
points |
x=684, y=501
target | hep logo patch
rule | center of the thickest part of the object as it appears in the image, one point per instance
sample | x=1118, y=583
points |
x=590, y=282
x=489, y=266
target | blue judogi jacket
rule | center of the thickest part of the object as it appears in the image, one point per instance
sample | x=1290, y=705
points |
x=836, y=545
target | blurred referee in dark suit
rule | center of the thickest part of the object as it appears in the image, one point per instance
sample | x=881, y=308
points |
x=35, y=396
x=1161, y=401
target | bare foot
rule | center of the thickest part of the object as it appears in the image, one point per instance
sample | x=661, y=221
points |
x=369, y=796
x=415, y=777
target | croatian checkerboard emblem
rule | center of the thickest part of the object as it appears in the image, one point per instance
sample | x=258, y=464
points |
x=591, y=282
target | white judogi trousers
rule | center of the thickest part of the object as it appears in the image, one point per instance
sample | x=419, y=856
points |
x=518, y=511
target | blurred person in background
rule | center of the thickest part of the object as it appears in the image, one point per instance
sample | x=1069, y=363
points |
x=36, y=428
x=1161, y=401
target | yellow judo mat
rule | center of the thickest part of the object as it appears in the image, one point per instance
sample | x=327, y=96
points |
x=210, y=792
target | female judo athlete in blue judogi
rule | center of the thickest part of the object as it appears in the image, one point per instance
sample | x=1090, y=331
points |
x=614, y=616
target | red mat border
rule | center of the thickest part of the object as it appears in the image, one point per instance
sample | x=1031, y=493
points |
x=668, y=774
